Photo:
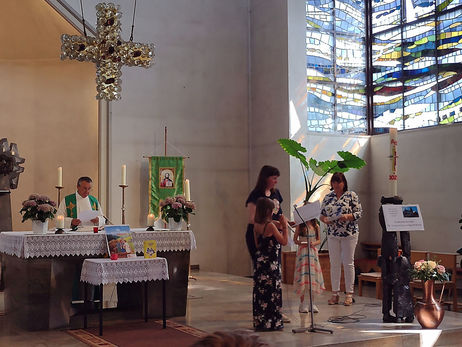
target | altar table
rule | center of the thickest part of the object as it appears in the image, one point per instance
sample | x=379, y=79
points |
x=129, y=270
x=39, y=272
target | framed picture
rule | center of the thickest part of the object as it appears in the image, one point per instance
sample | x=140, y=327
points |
x=120, y=241
x=167, y=177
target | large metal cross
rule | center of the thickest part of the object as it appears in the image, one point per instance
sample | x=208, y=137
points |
x=107, y=50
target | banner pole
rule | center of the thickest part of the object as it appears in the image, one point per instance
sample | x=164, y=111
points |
x=165, y=141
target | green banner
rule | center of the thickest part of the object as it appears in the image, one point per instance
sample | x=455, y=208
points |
x=165, y=179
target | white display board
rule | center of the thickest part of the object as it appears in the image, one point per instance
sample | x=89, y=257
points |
x=309, y=211
x=403, y=217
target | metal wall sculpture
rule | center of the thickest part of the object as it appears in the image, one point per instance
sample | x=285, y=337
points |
x=9, y=179
x=108, y=51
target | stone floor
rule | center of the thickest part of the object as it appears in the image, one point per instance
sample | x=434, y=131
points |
x=223, y=302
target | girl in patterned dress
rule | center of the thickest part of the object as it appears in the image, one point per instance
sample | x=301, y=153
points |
x=307, y=235
x=267, y=290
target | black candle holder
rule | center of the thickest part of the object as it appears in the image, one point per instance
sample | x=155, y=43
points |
x=59, y=231
x=150, y=228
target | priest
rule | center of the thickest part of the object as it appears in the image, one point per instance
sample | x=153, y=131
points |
x=81, y=209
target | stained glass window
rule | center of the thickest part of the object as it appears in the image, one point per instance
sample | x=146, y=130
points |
x=416, y=62
x=335, y=66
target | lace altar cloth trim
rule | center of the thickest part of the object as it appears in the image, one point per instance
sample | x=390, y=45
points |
x=166, y=240
x=104, y=270
x=29, y=245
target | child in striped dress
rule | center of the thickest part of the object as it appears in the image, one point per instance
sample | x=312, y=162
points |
x=307, y=235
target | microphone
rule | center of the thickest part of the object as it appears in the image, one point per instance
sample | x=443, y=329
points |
x=107, y=220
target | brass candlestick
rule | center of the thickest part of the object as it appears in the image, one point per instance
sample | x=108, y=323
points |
x=59, y=194
x=123, y=186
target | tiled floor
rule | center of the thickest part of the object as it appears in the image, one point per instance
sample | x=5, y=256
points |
x=223, y=302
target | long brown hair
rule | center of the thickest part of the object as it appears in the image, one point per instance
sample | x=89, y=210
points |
x=263, y=210
x=304, y=230
x=265, y=172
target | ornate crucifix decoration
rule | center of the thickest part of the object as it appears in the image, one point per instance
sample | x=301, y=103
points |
x=107, y=50
x=9, y=165
x=9, y=178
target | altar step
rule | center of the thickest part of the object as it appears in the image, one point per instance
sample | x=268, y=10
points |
x=403, y=337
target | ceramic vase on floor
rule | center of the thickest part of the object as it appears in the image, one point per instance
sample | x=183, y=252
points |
x=429, y=312
x=39, y=227
x=172, y=225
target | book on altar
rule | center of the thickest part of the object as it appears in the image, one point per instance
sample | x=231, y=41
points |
x=150, y=249
x=120, y=241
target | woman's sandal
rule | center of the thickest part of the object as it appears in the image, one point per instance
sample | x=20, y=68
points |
x=333, y=300
x=348, y=300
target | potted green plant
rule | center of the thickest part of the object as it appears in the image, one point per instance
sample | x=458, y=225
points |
x=321, y=168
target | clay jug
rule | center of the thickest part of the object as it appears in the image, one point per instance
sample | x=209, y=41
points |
x=429, y=312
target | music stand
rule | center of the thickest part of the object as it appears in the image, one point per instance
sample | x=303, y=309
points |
x=311, y=328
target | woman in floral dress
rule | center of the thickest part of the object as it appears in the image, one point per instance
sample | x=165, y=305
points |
x=267, y=291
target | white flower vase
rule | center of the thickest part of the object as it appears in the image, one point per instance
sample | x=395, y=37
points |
x=172, y=225
x=39, y=227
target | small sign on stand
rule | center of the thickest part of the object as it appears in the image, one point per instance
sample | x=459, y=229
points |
x=403, y=217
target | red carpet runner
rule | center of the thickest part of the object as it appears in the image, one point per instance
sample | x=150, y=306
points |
x=140, y=334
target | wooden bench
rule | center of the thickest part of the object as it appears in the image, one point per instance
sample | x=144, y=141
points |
x=375, y=277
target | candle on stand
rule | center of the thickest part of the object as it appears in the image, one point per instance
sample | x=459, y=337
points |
x=60, y=221
x=60, y=176
x=393, y=177
x=187, y=190
x=124, y=175
x=150, y=221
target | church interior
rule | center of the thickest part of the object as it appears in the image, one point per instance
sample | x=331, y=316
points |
x=228, y=79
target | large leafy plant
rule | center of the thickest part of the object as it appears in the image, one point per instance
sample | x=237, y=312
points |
x=321, y=168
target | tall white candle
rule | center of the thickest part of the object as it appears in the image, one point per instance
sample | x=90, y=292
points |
x=187, y=191
x=124, y=175
x=60, y=221
x=60, y=176
x=393, y=178
x=150, y=220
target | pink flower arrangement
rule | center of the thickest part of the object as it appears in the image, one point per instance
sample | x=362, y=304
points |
x=177, y=208
x=426, y=270
x=39, y=207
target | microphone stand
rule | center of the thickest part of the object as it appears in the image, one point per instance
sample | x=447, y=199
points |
x=311, y=328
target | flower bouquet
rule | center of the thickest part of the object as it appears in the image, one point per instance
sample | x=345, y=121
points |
x=39, y=208
x=429, y=312
x=429, y=270
x=176, y=208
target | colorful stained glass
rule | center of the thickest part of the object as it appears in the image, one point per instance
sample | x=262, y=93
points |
x=416, y=61
x=335, y=66
x=385, y=14
x=450, y=67
x=416, y=64
x=447, y=4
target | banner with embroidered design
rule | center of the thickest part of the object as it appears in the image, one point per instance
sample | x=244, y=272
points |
x=165, y=179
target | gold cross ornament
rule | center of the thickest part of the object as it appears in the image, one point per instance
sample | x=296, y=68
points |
x=107, y=50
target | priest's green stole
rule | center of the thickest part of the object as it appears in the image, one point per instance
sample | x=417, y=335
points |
x=165, y=179
x=71, y=205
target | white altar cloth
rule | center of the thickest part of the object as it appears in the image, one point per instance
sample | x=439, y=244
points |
x=77, y=243
x=103, y=270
